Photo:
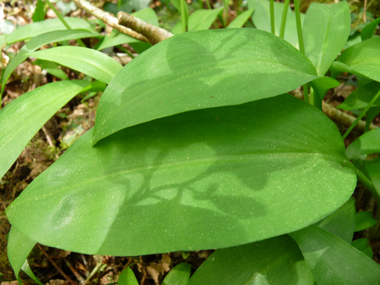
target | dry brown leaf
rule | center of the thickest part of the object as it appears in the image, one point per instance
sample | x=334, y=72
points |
x=160, y=267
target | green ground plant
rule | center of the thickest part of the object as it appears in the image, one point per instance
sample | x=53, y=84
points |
x=197, y=145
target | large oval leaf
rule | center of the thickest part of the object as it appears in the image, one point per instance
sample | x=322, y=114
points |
x=91, y=62
x=35, y=29
x=200, y=70
x=205, y=179
x=38, y=42
x=23, y=117
x=273, y=261
x=363, y=59
x=326, y=30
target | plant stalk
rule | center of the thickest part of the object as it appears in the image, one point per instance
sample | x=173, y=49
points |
x=183, y=19
x=299, y=27
x=283, y=20
x=362, y=114
x=272, y=23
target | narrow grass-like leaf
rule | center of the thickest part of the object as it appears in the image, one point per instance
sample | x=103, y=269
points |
x=52, y=68
x=364, y=220
x=274, y=261
x=18, y=249
x=240, y=20
x=369, y=29
x=373, y=169
x=363, y=58
x=117, y=38
x=91, y=62
x=40, y=41
x=365, y=144
x=200, y=70
x=34, y=107
x=26, y=268
x=333, y=261
x=204, y=179
x=39, y=12
x=35, y=29
x=342, y=222
x=179, y=275
x=127, y=277
x=203, y=19
x=261, y=19
x=326, y=29
x=360, y=98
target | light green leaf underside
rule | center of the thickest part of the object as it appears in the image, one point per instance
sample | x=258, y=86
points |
x=274, y=261
x=39, y=41
x=91, y=62
x=363, y=58
x=200, y=70
x=261, y=19
x=202, y=19
x=32, y=30
x=179, y=275
x=365, y=144
x=240, y=20
x=205, y=179
x=117, y=38
x=18, y=249
x=23, y=117
x=326, y=29
x=333, y=261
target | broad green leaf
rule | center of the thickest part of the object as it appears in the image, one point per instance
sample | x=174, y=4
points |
x=364, y=220
x=321, y=86
x=369, y=30
x=333, y=261
x=362, y=244
x=342, y=222
x=127, y=277
x=363, y=58
x=91, y=62
x=200, y=70
x=26, y=268
x=360, y=98
x=240, y=20
x=35, y=29
x=365, y=144
x=179, y=275
x=23, y=117
x=261, y=19
x=40, y=41
x=205, y=179
x=203, y=19
x=325, y=30
x=18, y=248
x=116, y=38
x=373, y=170
x=273, y=261
x=52, y=68
x=39, y=12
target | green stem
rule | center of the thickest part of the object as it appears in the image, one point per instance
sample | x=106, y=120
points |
x=79, y=41
x=126, y=51
x=299, y=27
x=225, y=13
x=208, y=4
x=306, y=93
x=183, y=19
x=283, y=20
x=312, y=99
x=272, y=24
x=362, y=114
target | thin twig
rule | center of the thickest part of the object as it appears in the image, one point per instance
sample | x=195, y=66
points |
x=74, y=271
x=56, y=266
x=153, y=33
x=109, y=19
x=94, y=271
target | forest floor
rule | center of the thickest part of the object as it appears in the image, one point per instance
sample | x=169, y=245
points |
x=49, y=144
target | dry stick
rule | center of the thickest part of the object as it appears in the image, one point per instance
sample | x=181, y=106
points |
x=108, y=19
x=75, y=272
x=56, y=266
x=337, y=116
x=153, y=33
